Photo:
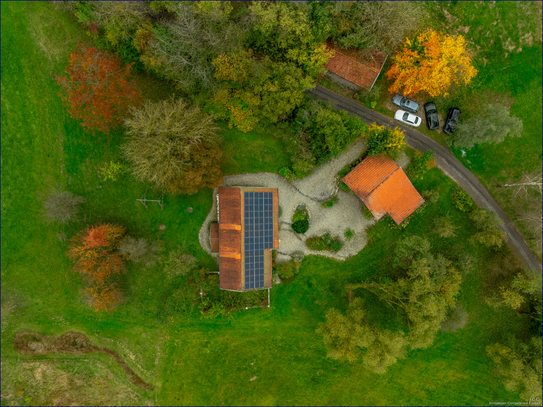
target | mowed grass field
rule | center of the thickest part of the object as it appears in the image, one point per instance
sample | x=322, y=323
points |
x=254, y=357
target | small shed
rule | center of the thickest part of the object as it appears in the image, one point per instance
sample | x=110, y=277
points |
x=355, y=69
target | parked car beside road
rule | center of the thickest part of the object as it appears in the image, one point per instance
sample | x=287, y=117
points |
x=405, y=103
x=407, y=118
x=452, y=120
x=430, y=111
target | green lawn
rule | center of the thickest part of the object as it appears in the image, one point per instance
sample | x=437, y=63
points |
x=192, y=361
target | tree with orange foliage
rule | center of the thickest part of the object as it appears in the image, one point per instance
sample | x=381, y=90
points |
x=431, y=63
x=96, y=256
x=102, y=297
x=94, y=251
x=97, y=89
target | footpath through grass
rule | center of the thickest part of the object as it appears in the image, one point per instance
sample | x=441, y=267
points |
x=255, y=357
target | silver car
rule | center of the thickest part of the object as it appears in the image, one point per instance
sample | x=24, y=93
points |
x=407, y=118
x=405, y=103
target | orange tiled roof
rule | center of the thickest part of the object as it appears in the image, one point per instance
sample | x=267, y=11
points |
x=231, y=237
x=354, y=68
x=384, y=188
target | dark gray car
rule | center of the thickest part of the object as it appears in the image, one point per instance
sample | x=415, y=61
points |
x=452, y=120
x=406, y=104
x=432, y=121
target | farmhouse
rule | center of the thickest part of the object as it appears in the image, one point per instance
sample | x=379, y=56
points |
x=355, y=70
x=245, y=235
x=384, y=188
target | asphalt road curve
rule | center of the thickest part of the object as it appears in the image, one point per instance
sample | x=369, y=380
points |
x=445, y=160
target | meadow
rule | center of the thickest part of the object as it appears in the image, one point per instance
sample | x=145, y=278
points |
x=253, y=357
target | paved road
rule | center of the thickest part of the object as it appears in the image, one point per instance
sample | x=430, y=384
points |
x=445, y=160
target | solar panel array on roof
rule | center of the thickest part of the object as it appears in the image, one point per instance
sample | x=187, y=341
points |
x=258, y=208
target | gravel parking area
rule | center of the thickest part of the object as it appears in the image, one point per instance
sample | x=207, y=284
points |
x=311, y=191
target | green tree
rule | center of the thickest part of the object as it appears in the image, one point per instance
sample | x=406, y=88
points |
x=519, y=365
x=349, y=337
x=164, y=136
x=488, y=226
x=424, y=294
x=285, y=32
x=492, y=125
x=254, y=90
x=339, y=129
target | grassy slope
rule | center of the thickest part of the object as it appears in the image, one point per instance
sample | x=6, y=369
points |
x=199, y=361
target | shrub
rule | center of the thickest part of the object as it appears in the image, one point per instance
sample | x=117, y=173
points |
x=330, y=203
x=430, y=196
x=180, y=261
x=287, y=271
x=300, y=226
x=298, y=257
x=343, y=186
x=324, y=243
x=420, y=163
x=367, y=213
x=288, y=174
x=349, y=233
x=279, y=212
x=61, y=206
x=112, y=171
x=461, y=200
x=300, y=214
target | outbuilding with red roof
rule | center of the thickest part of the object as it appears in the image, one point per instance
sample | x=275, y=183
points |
x=384, y=188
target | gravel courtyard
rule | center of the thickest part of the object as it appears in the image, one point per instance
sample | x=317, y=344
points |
x=311, y=191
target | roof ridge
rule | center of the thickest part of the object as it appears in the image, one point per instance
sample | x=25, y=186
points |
x=384, y=180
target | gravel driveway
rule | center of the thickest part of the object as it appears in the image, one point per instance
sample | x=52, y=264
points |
x=311, y=191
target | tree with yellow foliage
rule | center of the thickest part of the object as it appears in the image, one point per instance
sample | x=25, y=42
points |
x=431, y=63
x=382, y=140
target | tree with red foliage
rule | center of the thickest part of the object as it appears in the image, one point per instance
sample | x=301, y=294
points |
x=95, y=252
x=97, y=89
x=96, y=256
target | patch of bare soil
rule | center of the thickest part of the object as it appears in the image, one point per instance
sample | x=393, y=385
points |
x=33, y=343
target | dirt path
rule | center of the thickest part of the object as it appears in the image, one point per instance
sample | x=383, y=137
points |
x=33, y=343
x=444, y=160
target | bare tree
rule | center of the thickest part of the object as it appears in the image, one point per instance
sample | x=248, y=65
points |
x=182, y=49
x=531, y=181
x=61, y=206
x=140, y=250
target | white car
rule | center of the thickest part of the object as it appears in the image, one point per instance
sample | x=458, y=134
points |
x=408, y=118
